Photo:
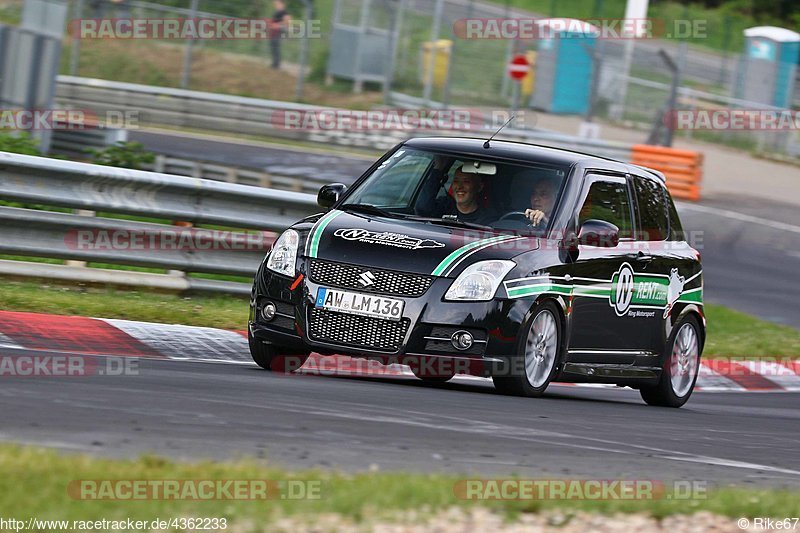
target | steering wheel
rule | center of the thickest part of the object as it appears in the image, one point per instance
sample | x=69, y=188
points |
x=516, y=215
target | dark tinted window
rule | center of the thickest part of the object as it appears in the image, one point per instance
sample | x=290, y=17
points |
x=650, y=199
x=675, y=228
x=608, y=201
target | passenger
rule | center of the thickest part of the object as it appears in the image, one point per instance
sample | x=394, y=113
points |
x=463, y=203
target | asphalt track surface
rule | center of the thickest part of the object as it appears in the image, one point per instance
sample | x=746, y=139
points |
x=287, y=161
x=191, y=410
x=750, y=246
x=201, y=410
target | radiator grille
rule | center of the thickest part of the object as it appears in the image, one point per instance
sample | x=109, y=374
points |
x=357, y=331
x=383, y=281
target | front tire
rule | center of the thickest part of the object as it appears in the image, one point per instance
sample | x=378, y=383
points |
x=275, y=358
x=680, y=369
x=539, y=351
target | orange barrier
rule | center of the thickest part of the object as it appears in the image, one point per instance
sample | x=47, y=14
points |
x=682, y=168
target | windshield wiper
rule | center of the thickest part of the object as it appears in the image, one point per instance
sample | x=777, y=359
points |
x=450, y=222
x=367, y=209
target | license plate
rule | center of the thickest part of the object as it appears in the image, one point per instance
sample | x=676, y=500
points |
x=359, y=304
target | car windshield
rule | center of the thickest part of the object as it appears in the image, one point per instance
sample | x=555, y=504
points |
x=454, y=189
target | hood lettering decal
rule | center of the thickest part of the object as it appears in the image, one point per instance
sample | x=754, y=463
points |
x=386, y=238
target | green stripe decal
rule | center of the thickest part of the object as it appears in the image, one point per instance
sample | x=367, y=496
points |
x=692, y=296
x=316, y=232
x=540, y=288
x=587, y=290
x=450, y=259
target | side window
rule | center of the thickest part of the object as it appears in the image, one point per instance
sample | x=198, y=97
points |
x=608, y=201
x=651, y=201
x=675, y=227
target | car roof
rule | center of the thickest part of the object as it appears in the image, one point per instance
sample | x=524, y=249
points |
x=521, y=151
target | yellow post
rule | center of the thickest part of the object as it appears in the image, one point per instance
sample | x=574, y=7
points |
x=442, y=50
x=528, y=83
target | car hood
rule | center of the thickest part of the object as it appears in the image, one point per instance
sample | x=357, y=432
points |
x=407, y=245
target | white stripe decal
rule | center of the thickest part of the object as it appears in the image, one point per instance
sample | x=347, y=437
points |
x=312, y=243
x=692, y=278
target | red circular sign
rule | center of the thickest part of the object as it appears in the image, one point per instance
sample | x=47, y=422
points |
x=518, y=67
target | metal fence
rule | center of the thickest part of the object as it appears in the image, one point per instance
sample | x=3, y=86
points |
x=427, y=61
x=180, y=63
x=234, y=114
x=476, y=72
x=204, y=208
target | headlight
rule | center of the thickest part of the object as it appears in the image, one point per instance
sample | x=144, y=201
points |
x=284, y=253
x=479, y=281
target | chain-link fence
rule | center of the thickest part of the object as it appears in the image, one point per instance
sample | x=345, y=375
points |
x=183, y=62
x=409, y=47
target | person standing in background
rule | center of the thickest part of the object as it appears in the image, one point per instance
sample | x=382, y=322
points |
x=278, y=23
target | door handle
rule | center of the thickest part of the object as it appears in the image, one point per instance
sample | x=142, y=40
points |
x=643, y=257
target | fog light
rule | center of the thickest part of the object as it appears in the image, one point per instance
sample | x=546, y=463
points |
x=268, y=311
x=462, y=340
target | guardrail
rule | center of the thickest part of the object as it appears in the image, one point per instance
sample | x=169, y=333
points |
x=150, y=194
x=114, y=191
x=167, y=106
x=243, y=176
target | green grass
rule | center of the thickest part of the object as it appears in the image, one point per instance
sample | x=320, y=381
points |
x=227, y=312
x=36, y=484
x=738, y=334
x=730, y=333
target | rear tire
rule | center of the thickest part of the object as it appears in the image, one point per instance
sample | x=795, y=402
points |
x=538, y=355
x=680, y=368
x=275, y=358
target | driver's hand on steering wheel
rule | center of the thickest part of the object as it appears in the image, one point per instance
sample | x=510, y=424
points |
x=535, y=216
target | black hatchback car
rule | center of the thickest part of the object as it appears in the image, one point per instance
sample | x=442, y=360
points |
x=524, y=263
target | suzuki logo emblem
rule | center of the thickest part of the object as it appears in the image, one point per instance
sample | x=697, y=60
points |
x=366, y=278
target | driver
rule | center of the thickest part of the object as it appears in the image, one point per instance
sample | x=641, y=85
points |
x=543, y=198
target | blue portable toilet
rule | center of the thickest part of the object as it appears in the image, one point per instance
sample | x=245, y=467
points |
x=564, y=65
x=768, y=66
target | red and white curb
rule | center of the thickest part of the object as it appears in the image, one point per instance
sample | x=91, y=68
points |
x=97, y=336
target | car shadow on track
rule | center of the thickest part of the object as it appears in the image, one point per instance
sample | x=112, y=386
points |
x=555, y=392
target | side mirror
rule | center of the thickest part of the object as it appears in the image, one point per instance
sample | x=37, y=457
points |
x=598, y=233
x=330, y=194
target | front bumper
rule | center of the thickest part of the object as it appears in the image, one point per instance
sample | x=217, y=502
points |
x=429, y=321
